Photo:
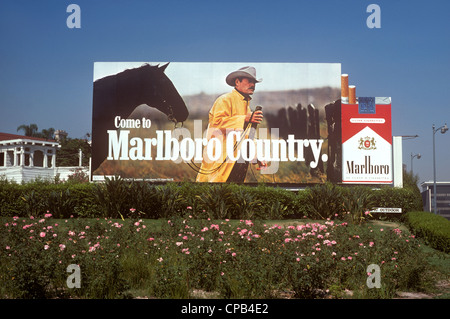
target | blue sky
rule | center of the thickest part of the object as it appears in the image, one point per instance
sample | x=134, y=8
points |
x=46, y=69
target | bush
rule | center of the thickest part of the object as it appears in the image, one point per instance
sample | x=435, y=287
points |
x=237, y=259
x=324, y=201
x=405, y=198
x=434, y=229
x=357, y=201
x=115, y=197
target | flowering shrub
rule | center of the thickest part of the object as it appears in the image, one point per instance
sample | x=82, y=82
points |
x=237, y=258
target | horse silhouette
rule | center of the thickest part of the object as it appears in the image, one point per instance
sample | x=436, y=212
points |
x=122, y=93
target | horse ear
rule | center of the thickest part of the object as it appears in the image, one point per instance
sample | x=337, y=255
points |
x=163, y=67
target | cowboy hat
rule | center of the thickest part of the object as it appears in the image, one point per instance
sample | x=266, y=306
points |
x=246, y=72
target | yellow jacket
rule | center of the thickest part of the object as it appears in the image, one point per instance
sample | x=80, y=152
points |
x=227, y=113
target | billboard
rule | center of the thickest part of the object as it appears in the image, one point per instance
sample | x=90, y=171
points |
x=198, y=122
x=367, y=140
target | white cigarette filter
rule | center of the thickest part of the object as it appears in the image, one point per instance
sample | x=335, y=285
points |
x=351, y=94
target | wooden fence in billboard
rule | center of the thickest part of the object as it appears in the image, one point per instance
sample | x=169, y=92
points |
x=304, y=123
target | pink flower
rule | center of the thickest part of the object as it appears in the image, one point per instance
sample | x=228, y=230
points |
x=46, y=247
x=48, y=215
x=151, y=239
x=233, y=254
x=42, y=234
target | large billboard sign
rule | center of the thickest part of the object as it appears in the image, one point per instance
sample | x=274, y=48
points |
x=188, y=121
x=367, y=141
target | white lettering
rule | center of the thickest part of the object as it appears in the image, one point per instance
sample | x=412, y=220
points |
x=316, y=146
x=374, y=276
x=73, y=20
x=178, y=146
x=74, y=280
x=373, y=20
x=117, y=144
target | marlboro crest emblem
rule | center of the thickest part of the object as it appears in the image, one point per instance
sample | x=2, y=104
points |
x=367, y=141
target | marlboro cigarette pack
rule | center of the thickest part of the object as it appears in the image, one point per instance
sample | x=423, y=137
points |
x=367, y=141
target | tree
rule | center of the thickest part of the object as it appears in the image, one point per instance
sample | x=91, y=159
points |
x=48, y=134
x=32, y=131
x=29, y=130
x=68, y=154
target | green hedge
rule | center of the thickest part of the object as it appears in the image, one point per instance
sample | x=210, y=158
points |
x=119, y=198
x=434, y=229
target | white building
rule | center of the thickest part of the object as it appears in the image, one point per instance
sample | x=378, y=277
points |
x=24, y=158
x=442, y=197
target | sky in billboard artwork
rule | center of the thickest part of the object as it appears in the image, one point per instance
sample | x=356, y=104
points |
x=47, y=68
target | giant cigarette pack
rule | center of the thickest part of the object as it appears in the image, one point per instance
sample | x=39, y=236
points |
x=366, y=139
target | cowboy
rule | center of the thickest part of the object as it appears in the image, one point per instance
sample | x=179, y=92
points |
x=230, y=112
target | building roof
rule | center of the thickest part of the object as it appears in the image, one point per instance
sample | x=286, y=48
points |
x=10, y=137
x=437, y=183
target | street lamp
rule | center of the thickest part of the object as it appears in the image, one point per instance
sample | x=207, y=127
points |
x=443, y=130
x=412, y=157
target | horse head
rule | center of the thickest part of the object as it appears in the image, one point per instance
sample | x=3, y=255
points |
x=159, y=92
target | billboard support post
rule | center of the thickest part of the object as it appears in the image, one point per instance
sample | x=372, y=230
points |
x=397, y=161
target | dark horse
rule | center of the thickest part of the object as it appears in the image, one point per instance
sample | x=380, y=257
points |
x=120, y=94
